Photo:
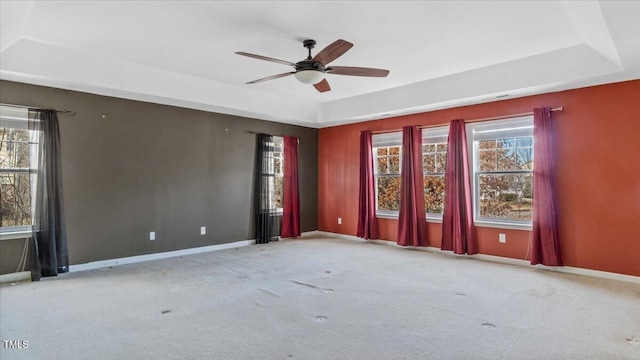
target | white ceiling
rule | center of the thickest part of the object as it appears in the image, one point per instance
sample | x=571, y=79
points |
x=440, y=54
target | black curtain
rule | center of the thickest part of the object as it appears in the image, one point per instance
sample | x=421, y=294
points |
x=49, y=238
x=267, y=221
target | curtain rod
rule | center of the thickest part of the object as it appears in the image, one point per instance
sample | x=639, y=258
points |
x=65, y=112
x=561, y=109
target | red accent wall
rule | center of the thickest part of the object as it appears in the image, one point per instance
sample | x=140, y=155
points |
x=598, y=138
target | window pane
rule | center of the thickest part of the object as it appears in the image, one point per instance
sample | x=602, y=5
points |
x=441, y=162
x=394, y=150
x=14, y=148
x=441, y=147
x=388, y=192
x=434, y=193
x=507, y=158
x=383, y=165
x=394, y=164
x=487, y=144
x=15, y=208
x=429, y=148
x=525, y=158
x=9, y=134
x=277, y=166
x=487, y=160
x=429, y=162
x=382, y=151
x=527, y=141
x=505, y=196
x=506, y=143
x=278, y=191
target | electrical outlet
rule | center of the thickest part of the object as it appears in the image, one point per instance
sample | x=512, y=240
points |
x=152, y=235
x=203, y=230
x=502, y=238
x=339, y=221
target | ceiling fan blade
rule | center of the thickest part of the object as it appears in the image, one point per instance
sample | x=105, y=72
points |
x=272, y=77
x=332, y=52
x=357, y=71
x=260, y=57
x=322, y=86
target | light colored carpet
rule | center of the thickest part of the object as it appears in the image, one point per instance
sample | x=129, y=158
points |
x=321, y=299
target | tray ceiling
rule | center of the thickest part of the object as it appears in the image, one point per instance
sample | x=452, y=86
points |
x=440, y=54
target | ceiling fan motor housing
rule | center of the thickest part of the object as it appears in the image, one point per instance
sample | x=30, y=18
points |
x=309, y=65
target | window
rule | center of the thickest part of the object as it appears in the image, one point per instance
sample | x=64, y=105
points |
x=434, y=162
x=15, y=179
x=277, y=169
x=387, y=155
x=502, y=170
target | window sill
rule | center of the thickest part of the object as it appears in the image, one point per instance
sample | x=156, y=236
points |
x=395, y=217
x=12, y=235
x=487, y=224
x=387, y=216
x=497, y=225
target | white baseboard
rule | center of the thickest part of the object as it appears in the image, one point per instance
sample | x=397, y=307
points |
x=310, y=233
x=163, y=255
x=15, y=277
x=499, y=259
x=25, y=275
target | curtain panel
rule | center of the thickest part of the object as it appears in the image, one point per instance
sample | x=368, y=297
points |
x=265, y=212
x=412, y=223
x=545, y=242
x=49, y=255
x=291, y=206
x=458, y=230
x=367, y=223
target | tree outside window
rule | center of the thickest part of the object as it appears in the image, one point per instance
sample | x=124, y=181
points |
x=388, y=160
x=434, y=164
x=503, y=158
x=14, y=177
x=276, y=173
x=387, y=152
x=15, y=182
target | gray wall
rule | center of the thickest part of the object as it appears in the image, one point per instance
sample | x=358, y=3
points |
x=149, y=167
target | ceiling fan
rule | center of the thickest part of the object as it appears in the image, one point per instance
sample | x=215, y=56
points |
x=312, y=69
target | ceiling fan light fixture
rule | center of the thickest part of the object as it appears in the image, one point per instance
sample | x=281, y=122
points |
x=309, y=76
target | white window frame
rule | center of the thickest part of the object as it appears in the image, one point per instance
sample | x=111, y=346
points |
x=13, y=117
x=435, y=135
x=380, y=141
x=512, y=127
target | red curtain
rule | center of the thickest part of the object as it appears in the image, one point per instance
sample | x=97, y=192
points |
x=367, y=224
x=291, y=208
x=458, y=230
x=545, y=243
x=412, y=223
